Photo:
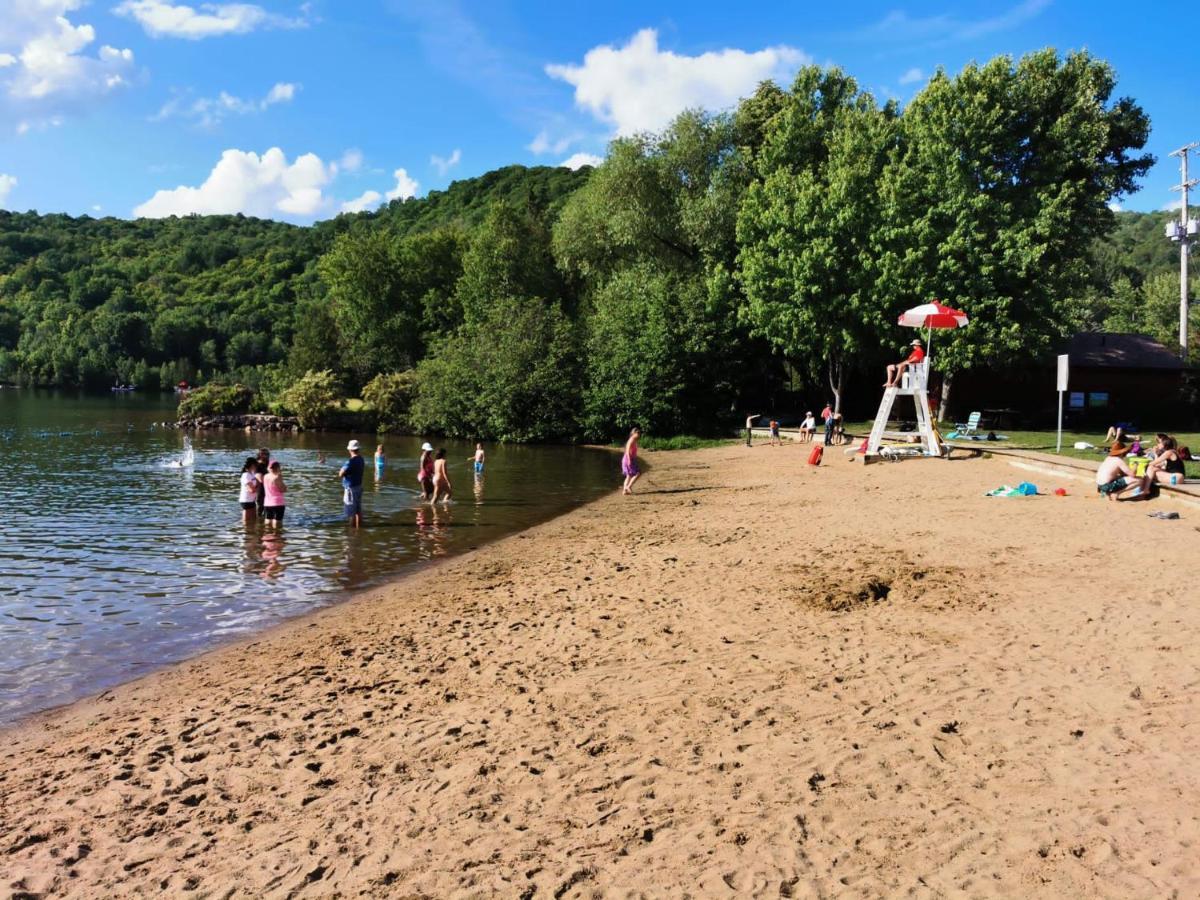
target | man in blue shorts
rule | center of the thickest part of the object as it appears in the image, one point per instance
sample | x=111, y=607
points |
x=352, y=483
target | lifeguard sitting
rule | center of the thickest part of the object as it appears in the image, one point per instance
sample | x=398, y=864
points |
x=896, y=370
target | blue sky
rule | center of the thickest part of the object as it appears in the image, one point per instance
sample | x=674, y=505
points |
x=297, y=111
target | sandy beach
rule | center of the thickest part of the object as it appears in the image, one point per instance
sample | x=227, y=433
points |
x=752, y=678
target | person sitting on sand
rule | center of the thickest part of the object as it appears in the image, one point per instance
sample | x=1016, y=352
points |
x=441, y=479
x=1115, y=480
x=808, y=427
x=629, y=463
x=896, y=370
x=1166, y=467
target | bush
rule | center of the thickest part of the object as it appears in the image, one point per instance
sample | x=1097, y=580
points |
x=390, y=395
x=312, y=397
x=216, y=400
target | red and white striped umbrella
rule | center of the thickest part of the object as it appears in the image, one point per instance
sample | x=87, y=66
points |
x=933, y=315
x=930, y=316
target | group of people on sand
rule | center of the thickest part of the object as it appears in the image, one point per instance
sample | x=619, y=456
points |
x=835, y=432
x=262, y=493
x=1116, y=479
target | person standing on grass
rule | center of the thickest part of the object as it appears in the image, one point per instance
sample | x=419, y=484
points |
x=827, y=418
x=629, y=463
x=352, y=483
x=441, y=478
x=248, y=490
x=750, y=426
x=275, y=500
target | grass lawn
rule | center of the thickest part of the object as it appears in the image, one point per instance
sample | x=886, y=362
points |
x=1044, y=442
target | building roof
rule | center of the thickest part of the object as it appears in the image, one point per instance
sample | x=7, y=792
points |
x=1107, y=350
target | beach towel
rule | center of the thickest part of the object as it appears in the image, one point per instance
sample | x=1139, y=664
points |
x=1024, y=489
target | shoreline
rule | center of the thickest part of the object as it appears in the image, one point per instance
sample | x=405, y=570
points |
x=337, y=599
x=734, y=681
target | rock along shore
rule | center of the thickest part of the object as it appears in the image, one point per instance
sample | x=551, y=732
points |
x=243, y=422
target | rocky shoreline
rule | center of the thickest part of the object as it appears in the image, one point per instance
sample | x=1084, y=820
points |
x=241, y=422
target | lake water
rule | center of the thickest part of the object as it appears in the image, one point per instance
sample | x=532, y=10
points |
x=114, y=560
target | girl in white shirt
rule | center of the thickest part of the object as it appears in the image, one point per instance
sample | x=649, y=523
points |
x=248, y=492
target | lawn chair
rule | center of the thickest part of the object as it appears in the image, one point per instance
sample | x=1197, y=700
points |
x=971, y=426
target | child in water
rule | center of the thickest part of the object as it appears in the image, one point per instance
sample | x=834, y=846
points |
x=274, y=490
x=477, y=459
x=441, y=480
x=425, y=471
x=248, y=492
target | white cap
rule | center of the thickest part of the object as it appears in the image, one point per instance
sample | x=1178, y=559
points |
x=427, y=446
x=353, y=445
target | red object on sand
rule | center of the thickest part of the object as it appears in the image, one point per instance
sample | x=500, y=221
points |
x=1060, y=492
x=814, y=458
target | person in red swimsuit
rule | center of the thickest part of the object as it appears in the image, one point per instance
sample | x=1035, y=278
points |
x=896, y=370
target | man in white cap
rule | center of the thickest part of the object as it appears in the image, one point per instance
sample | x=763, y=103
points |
x=896, y=370
x=352, y=483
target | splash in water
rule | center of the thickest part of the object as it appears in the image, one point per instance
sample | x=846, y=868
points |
x=187, y=460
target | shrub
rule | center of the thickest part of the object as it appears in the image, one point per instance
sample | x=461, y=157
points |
x=216, y=400
x=390, y=395
x=312, y=397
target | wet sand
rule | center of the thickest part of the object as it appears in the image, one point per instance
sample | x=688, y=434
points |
x=751, y=678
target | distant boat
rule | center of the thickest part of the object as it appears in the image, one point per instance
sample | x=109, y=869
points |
x=122, y=388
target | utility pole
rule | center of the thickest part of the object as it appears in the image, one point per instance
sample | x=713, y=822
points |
x=1184, y=231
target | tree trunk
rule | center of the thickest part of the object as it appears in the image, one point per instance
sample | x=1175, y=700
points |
x=944, y=407
x=836, y=377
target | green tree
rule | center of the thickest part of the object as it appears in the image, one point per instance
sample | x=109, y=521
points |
x=1003, y=182
x=312, y=398
x=390, y=396
x=805, y=227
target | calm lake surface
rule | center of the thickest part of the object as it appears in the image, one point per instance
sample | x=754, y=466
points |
x=115, y=560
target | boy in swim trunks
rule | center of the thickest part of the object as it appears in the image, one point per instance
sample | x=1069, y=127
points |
x=1115, y=480
x=477, y=459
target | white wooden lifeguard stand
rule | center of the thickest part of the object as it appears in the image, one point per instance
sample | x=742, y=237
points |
x=913, y=383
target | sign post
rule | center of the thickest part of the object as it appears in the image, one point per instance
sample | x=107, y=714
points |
x=1063, y=365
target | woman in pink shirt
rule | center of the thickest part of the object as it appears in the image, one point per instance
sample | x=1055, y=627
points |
x=274, y=501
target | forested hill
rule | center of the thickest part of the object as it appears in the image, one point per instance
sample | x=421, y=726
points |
x=88, y=301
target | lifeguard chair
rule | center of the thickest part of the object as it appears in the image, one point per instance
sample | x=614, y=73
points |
x=913, y=383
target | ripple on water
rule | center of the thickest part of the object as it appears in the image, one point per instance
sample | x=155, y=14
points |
x=113, y=562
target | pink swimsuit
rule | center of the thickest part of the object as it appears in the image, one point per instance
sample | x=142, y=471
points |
x=273, y=493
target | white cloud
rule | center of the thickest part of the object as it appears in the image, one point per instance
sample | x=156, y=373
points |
x=912, y=76
x=578, y=160
x=368, y=200
x=7, y=183
x=641, y=88
x=1173, y=206
x=543, y=143
x=210, y=111
x=44, y=59
x=406, y=188
x=1114, y=206
x=946, y=28
x=162, y=18
x=243, y=182
x=96, y=207
x=351, y=160
x=444, y=164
